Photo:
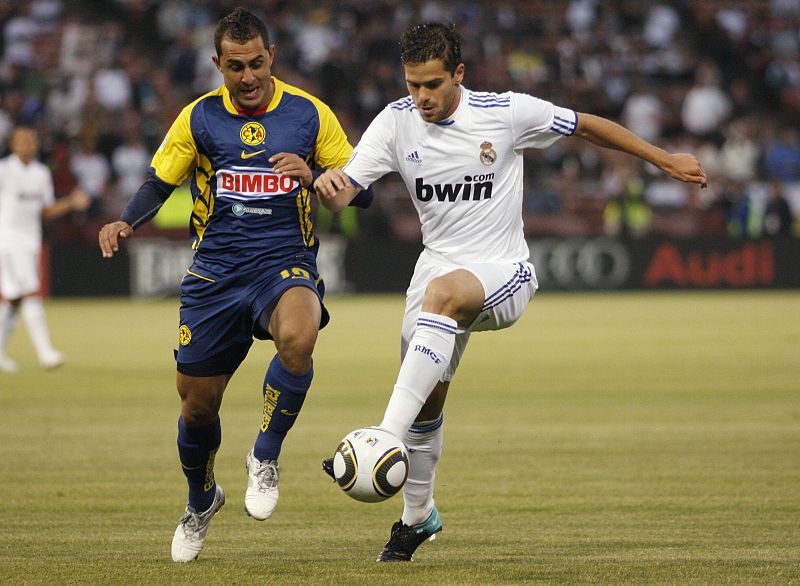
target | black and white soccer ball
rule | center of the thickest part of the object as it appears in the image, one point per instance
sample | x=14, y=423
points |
x=370, y=464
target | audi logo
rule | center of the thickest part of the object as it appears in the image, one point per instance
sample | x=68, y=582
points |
x=598, y=263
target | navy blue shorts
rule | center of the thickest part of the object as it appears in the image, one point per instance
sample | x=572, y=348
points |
x=219, y=314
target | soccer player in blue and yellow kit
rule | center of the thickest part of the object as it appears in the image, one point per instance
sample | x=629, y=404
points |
x=247, y=146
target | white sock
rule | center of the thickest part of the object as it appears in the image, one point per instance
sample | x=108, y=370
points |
x=8, y=322
x=33, y=314
x=427, y=357
x=424, y=441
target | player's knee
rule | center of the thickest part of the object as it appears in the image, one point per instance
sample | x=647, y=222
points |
x=440, y=298
x=295, y=351
x=199, y=404
x=198, y=414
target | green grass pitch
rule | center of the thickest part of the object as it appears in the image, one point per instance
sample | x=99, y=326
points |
x=607, y=438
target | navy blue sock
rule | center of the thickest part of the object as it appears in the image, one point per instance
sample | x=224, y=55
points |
x=197, y=447
x=284, y=394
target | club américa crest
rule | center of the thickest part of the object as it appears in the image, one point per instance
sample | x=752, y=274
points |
x=488, y=155
x=252, y=133
x=184, y=335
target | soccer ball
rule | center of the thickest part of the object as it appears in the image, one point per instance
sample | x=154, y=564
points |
x=370, y=464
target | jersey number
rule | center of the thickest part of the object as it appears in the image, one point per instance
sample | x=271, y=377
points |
x=295, y=273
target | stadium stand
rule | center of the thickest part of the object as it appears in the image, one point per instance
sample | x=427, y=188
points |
x=102, y=80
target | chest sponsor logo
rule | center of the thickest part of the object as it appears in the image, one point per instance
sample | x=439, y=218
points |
x=252, y=133
x=244, y=185
x=239, y=209
x=474, y=188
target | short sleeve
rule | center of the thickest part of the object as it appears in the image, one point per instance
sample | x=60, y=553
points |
x=332, y=148
x=538, y=123
x=373, y=156
x=176, y=158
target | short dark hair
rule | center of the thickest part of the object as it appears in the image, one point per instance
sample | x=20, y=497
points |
x=429, y=41
x=240, y=26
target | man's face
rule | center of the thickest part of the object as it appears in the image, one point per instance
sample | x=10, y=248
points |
x=435, y=90
x=247, y=71
x=24, y=144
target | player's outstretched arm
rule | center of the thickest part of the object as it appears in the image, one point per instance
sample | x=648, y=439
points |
x=605, y=133
x=110, y=235
x=77, y=201
x=335, y=190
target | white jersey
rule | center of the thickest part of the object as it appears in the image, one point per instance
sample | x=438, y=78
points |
x=25, y=190
x=465, y=173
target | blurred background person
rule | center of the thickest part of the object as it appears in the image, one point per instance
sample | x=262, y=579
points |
x=778, y=218
x=26, y=196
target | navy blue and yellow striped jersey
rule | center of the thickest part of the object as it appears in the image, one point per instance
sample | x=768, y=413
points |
x=243, y=212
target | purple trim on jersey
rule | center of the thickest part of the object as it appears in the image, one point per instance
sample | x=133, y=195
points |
x=523, y=275
x=490, y=105
x=564, y=126
x=404, y=104
x=445, y=123
x=436, y=325
x=489, y=98
x=354, y=182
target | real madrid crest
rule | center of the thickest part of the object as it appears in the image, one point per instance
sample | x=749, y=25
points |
x=252, y=133
x=488, y=155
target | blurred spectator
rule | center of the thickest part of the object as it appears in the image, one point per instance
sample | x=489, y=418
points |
x=716, y=76
x=782, y=155
x=130, y=163
x=643, y=113
x=112, y=87
x=706, y=106
x=661, y=25
x=92, y=172
x=743, y=220
x=626, y=214
x=740, y=152
x=19, y=33
x=778, y=219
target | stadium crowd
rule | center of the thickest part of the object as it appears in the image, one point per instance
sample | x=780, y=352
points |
x=103, y=80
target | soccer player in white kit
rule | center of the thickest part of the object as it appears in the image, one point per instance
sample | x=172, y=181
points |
x=26, y=196
x=460, y=155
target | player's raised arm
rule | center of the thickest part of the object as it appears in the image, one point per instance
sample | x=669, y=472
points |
x=605, y=133
x=335, y=190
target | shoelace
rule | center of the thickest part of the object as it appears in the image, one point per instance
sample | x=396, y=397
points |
x=399, y=533
x=191, y=523
x=267, y=474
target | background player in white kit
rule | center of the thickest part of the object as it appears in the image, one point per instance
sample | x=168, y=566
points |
x=460, y=155
x=26, y=196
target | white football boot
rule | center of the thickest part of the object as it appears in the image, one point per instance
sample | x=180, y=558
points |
x=7, y=365
x=191, y=532
x=261, y=496
x=51, y=359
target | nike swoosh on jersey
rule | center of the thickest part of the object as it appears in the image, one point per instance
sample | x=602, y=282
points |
x=248, y=155
x=289, y=413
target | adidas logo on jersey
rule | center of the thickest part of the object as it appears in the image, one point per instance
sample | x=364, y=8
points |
x=414, y=158
x=477, y=187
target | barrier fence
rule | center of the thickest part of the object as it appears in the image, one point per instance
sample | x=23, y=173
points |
x=151, y=267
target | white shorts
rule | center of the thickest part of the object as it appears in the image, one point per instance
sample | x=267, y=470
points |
x=508, y=288
x=19, y=274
